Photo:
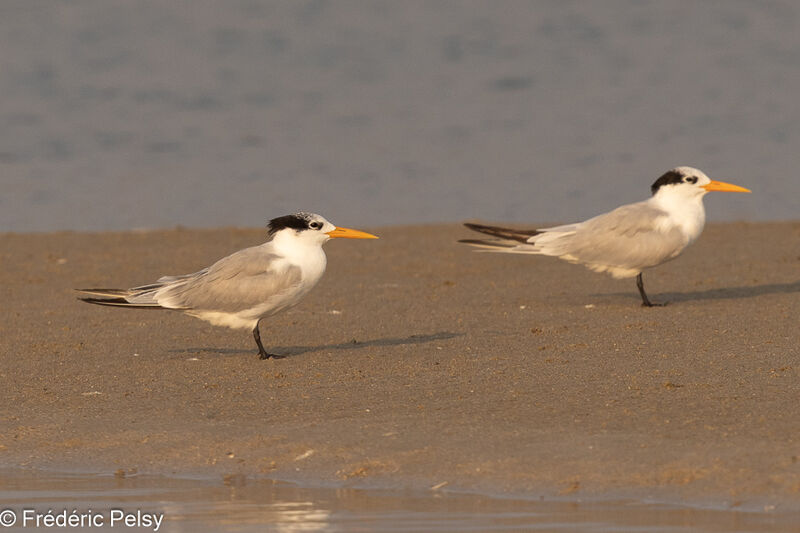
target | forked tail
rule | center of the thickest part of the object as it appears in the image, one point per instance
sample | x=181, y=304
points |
x=519, y=235
x=508, y=240
x=133, y=298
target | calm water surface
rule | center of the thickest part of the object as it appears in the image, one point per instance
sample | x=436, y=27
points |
x=118, y=114
x=242, y=506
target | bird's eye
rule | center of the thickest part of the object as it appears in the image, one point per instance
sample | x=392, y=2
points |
x=691, y=179
x=315, y=225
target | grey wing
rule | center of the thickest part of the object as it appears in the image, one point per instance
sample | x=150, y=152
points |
x=623, y=241
x=240, y=281
x=171, y=279
x=143, y=291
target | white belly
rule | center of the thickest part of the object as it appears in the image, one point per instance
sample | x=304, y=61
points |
x=312, y=263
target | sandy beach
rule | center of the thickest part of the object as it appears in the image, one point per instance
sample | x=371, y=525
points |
x=418, y=363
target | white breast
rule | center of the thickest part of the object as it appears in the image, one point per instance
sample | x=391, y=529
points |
x=686, y=214
x=305, y=254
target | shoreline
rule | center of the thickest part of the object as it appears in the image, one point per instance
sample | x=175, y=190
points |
x=507, y=374
x=255, y=504
x=763, y=507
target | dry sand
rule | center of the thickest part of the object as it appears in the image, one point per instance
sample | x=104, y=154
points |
x=417, y=362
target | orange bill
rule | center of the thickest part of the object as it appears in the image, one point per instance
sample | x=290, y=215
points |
x=347, y=233
x=722, y=186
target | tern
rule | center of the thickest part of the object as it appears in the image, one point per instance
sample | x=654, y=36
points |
x=240, y=290
x=627, y=240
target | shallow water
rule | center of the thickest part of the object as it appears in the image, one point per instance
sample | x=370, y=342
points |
x=241, y=505
x=120, y=115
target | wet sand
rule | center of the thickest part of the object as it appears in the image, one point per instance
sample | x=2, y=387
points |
x=418, y=363
x=200, y=506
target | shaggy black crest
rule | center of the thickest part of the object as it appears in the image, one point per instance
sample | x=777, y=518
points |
x=297, y=221
x=670, y=178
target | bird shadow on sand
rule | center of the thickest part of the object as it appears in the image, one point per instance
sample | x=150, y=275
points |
x=290, y=351
x=723, y=293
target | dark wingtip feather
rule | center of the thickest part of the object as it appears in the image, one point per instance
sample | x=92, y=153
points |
x=104, y=301
x=476, y=227
x=519, y=235
x=118, y=302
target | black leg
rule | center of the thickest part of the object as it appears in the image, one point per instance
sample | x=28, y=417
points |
x=262, y=353
x=645, y=300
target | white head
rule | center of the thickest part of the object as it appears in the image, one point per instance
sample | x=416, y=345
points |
x=310, y=228
x=688, y=182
